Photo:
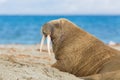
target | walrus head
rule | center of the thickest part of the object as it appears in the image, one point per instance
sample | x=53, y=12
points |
x=51, y=32
x=56, y=31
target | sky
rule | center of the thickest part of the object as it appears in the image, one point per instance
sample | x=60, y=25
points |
x=60, y=7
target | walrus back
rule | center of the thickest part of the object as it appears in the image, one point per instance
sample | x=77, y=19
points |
x=85, y=56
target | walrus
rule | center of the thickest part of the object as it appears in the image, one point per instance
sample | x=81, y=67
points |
x=78, y=52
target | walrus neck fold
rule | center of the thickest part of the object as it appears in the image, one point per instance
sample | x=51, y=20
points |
x=67, y=37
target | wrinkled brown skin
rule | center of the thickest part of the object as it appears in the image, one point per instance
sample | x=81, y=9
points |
x=78, y=52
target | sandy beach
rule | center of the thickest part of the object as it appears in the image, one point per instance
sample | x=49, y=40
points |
x=25, y=62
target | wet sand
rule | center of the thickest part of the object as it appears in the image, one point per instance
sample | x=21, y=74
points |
x=25, y=62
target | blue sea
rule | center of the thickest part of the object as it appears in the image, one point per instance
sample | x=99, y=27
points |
x=26, y=29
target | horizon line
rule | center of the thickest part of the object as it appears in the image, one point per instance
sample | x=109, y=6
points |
x=59, y=14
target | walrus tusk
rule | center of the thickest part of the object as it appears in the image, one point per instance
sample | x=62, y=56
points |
x=42, y=42
x=48, y=43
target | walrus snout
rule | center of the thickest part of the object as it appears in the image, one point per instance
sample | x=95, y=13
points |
x=47, y=29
